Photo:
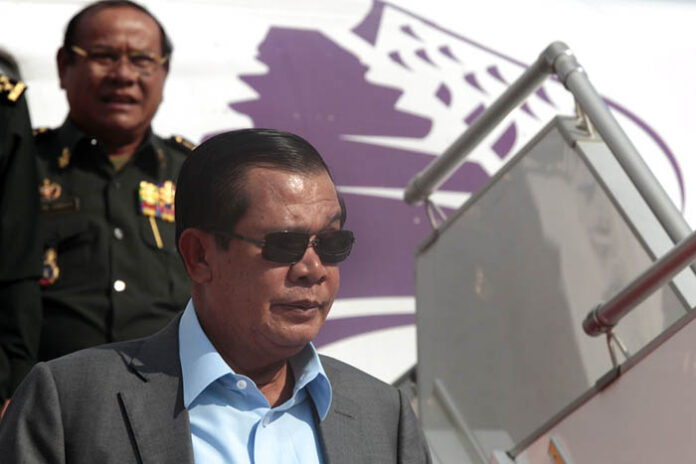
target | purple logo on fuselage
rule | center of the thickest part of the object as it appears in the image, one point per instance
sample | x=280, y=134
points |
x=375, y=138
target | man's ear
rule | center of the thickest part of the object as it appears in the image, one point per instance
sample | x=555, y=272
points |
x=194, y=245
x=63, y=61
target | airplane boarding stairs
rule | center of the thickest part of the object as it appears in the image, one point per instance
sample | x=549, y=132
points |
x=506, y=369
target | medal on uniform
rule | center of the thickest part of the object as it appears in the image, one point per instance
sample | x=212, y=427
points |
x=157, y=201
x=167, y=191
x=51, y=271
x=49, y=191
x=64, y=158
x=148, y=194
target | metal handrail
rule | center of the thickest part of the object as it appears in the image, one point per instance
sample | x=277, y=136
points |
x=605, y=316
x=556, y=58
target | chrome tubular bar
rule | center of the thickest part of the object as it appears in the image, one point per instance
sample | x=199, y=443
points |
x=437, y=172
x=605, y=316
x=623, y=149
x=556, y=58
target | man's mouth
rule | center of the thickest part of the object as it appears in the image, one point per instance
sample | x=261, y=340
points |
x=119, y=99
x=301, y=305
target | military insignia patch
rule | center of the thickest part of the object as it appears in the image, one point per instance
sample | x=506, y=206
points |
x=184, y=142
x=50, y=191
x=50, y=272
x=10, y=89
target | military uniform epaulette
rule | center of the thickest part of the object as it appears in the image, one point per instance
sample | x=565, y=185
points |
x=178, y=141
x=10, y=90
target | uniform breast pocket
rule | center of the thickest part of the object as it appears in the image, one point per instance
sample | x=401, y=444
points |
x=163, y=260
x=158, y=234
x=72, y=253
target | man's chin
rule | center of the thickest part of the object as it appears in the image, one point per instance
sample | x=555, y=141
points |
x=296, y=339
x=118, y=126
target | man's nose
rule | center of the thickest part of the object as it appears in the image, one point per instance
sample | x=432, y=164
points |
x=124, y=70
x=309, y=270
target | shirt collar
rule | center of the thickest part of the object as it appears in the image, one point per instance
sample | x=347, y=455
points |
x=149, y=154
x=201, y=365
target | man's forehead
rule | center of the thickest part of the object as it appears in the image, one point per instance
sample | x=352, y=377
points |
x=112, y=12
x=263, y=184
x=293, y=180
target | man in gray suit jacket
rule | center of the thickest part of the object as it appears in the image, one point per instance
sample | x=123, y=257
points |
x=235, y=379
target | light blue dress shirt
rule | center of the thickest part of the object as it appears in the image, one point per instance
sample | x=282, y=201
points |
x=231, y=420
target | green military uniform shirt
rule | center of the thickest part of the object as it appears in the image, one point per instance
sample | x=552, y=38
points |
x=20, y=264
x=111, y=270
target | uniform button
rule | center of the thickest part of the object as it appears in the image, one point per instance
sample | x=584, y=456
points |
x=118, y=233
x=241, y=384
x=119, y=285
x=93, y=142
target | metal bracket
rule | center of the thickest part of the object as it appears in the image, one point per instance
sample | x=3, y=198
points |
x=612, y=337
x=583, y=122
x=430, y=209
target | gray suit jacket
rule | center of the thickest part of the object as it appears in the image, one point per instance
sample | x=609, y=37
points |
x=123, y=403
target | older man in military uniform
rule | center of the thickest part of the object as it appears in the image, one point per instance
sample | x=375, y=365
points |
x=106, y=186
x=20, y=302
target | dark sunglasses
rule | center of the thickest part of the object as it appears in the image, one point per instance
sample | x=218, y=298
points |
x=289, y=247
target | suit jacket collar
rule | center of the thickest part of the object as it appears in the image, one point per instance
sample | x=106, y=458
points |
x=154, y=407
x=340, y=430
x=159, y=422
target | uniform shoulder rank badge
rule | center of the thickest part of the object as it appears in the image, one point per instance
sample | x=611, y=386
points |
x=157, y=200
x=10, y=89
x=50, y=272
x=177, y=140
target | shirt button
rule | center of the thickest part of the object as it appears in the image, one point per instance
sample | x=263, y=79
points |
x=117, y=184
x=118, y=233
x=241, y=384
x=119, y=285
x=93, y=142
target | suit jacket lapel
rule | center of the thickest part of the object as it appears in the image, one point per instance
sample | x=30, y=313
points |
x=154, y=408
x=340, y=434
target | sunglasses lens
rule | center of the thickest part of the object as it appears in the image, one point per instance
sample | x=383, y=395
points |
x=334, y=247
x=289, y=247
x=285, y=247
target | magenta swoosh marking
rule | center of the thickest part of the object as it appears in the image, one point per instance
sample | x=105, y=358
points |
x=396, y=58
x=423, y=55
x=445, y=50
x=444, y=95
x=472, y=81
x=408, y=30
x=504, y=144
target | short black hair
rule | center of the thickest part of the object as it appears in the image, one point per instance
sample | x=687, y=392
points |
x=210, y=192
x=74, y=23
